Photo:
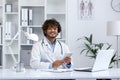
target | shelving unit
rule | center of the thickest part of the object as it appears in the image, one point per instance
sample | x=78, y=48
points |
x=27, y=16
x=10, y=28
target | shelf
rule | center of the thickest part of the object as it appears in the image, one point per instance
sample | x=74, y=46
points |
x=32, y=3
x=32, y=26
x=11, y=39
x=63, y=13
x=11, y=13
x=26, y=44
x=11, y=54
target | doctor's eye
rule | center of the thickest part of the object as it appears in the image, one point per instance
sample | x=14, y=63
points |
x=52, y=28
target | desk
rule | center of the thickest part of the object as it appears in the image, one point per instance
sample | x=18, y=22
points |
x=38, y=74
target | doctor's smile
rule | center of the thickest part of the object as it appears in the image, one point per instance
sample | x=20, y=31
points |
x=52, y=32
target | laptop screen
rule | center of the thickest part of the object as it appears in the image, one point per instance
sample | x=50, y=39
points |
x=103, y=60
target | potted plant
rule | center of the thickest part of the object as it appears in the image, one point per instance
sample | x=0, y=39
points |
x=91, y=49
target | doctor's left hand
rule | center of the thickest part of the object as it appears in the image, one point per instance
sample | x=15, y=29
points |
x=67, y=60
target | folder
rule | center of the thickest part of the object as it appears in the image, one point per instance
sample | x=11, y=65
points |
x=8, y=30
x=30, y=17
x=24, y=16
x=28, y=41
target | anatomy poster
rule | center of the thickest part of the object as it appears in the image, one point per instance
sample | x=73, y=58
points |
x=86, y=9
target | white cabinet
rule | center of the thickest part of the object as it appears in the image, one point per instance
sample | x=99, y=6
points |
x=21, y=16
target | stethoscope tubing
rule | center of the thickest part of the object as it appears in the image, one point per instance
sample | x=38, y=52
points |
x=43, y=43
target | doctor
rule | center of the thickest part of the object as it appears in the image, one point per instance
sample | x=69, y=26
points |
x=50, y=53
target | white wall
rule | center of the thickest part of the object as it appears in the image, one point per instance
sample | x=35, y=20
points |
x=97, y=26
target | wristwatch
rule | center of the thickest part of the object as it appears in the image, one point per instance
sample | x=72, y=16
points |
x=115, y=5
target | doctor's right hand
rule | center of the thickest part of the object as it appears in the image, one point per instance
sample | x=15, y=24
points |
x=57, y=63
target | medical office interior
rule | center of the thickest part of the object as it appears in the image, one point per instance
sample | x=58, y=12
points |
x=76, y=22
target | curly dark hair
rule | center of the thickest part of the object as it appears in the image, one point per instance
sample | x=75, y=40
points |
x=51, y=23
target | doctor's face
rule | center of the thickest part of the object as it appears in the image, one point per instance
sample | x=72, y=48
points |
x=52, y=32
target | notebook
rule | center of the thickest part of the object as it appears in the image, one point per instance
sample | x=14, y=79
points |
x=101, y=63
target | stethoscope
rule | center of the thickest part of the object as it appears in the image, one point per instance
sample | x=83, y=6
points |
x=46, y=45
x=43, y=44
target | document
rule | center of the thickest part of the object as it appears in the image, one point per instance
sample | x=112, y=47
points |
x=57, y=70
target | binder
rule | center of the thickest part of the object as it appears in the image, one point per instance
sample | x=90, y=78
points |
x=28, y=41
x=8, y=30
x=30, y=32
x=30, y=17
x=24, y=16
x=23, y=38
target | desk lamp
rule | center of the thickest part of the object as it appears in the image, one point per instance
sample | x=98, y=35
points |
x=31, y=36
x=113, y=29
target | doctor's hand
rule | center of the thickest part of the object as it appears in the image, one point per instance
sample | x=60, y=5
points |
x=67, y=60
x=57, y=63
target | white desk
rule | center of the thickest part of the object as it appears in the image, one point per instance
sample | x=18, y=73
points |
x=38, y=74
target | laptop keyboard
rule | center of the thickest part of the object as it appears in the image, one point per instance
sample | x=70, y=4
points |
x=85, y=70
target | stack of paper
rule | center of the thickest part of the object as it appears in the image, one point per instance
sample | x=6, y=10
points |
x=57, y=70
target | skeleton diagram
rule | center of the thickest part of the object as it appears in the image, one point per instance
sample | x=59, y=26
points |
x=90, y=7
x=82, y=7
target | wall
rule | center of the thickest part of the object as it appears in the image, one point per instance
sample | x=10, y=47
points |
x=97, y=26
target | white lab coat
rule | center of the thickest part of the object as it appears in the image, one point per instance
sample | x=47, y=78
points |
x=42, y=57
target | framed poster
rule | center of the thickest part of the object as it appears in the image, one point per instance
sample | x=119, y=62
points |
x=85, y=9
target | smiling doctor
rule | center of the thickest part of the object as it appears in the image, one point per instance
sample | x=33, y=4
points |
x=49, y=53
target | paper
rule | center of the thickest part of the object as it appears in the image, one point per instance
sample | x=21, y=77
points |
x=57, y=70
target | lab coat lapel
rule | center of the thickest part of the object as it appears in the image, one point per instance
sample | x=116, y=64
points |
x=48, y=49
x=57, y=51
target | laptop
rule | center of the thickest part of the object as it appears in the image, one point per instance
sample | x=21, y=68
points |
x=101, y=63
